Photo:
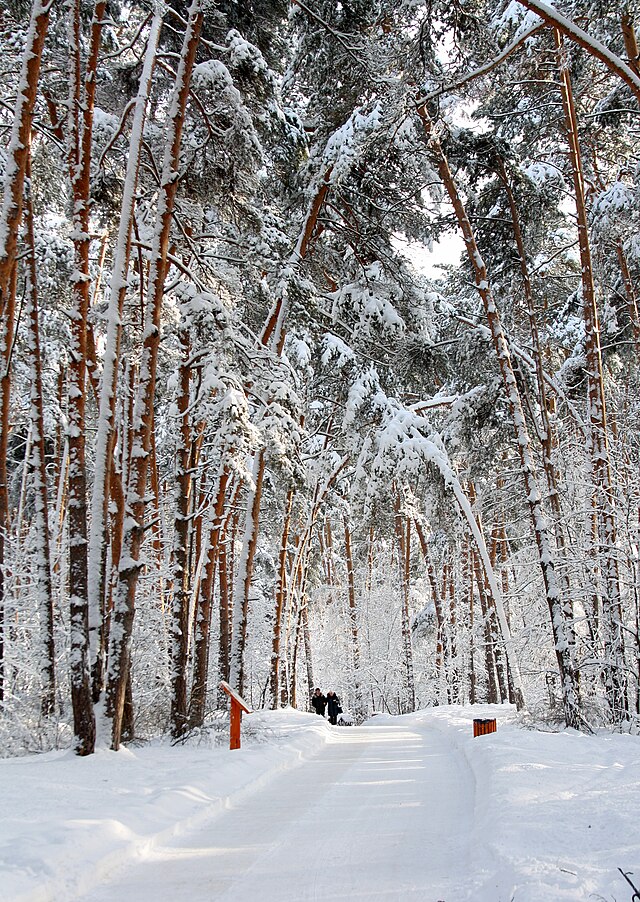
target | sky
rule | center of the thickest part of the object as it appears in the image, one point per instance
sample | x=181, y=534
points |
x=445, y=252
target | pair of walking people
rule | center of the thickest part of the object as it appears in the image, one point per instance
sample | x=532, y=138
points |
x=330, y=701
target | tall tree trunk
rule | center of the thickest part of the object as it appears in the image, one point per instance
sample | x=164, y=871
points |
x=10, y=219
x=204, y=606
x=225, y=578
x=498, y=646
x=503, y=545
x=571, y=701
x=353, y=619
x=597, y=418
x=44, y=592
x=18, y=150
x=329, y=552
x=105, y=437
x=441, y=634
x=124, y=605
x=116, y=523
x=493, y=640
x=403, y=543
x=299, y=590
x=449, y=593
x=290, y=619
x=180, y=575
x=547, y=433
x=80, y=122
x=7, y=327
x=294, y=660
x=306, y=635
x=489, y=660
x=273, y=336
x=275, y=670
x=242, y=584
x=472, y=645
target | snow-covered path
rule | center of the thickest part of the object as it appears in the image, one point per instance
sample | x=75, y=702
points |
x=404, y=808
x=379, y=813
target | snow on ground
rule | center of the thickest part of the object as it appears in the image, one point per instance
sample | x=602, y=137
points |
x=402, y=808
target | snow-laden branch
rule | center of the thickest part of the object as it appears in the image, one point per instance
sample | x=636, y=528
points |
x=569, y=28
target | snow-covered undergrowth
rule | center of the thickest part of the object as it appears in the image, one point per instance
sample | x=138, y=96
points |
x=553, y=815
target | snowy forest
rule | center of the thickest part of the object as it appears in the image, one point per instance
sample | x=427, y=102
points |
x=255, y=426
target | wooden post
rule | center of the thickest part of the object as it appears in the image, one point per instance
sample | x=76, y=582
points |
x=238, y=705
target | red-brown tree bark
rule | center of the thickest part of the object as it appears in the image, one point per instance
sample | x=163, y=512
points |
x=124, y=604
x=557, y=616
x=603, y=499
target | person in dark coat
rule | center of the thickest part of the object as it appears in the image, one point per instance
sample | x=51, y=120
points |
x=333, y=704
x=319, y=702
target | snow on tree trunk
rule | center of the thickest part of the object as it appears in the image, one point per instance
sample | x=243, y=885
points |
x=489, y=659
x=353, y=618
x=7, y=326
x=449, y=594
x=10, y=218
x=498, y=645
x=403, y=546
x=275, y=670
x=306, y=635
x=105, y=437
x=225, y=570
x=547, y=432
x=571, y=702
x=473, y=680
x=129, y=569
x=242, y=583
x=37, y=465
x=79, y=134
x=19, y=142
x=213, y=529
x=300, y=602
x=488, y=604
x=180, y=575
x=272, y=336
x=603, y=498
x=442, y=653
x=293, y=697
